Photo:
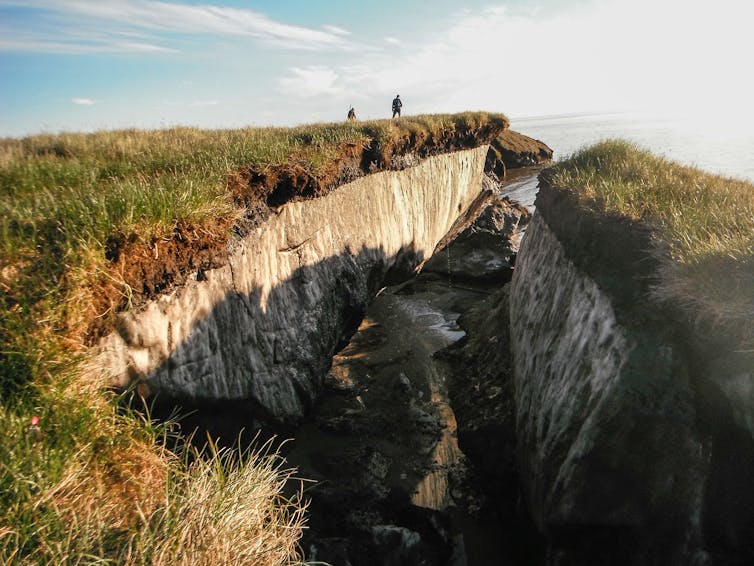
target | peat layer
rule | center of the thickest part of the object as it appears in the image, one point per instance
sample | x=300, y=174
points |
x=148, y=269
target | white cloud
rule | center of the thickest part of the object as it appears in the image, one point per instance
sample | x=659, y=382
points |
x=337, y=30
x=137, y=47
x=602, y=55
x=79, y=43
x=594, y=55
x=310, y=82
x=83, y=101
x=126, y=16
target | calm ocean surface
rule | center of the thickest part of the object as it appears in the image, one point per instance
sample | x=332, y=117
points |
x=725, y=147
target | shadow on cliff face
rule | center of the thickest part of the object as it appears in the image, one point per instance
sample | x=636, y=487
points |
x=274, y=351
x=392, y=485
x=382, y=471
x=260, y=356
x=657, y=467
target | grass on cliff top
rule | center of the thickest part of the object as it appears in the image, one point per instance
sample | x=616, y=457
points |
x=97, y=487
x=706, y=222
x=145, y=181
x=62, y=196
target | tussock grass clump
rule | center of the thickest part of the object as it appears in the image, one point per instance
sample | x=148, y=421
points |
x=704, y=222
x=98, y=486
x=228, y=510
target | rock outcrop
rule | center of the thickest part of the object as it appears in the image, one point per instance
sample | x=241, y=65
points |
x=510, y=150
x=485, y=249
x=625, y=454
x=262, y=328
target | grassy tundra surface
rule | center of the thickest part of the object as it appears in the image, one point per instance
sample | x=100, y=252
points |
x=704, y=223
x=82, y=217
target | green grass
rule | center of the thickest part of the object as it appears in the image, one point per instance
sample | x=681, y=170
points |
x=55, y=505
x=83, y=187
x=704, y=221
x=98, y=488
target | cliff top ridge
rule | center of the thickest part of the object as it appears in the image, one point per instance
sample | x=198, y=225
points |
x=699, y=228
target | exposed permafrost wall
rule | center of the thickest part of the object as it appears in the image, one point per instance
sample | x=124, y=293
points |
x=605, y=418
x=263, y=327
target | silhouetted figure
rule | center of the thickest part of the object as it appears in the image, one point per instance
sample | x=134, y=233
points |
x=397, y=105
x=352, y=115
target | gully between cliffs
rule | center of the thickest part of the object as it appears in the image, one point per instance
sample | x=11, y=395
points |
x=398, y=479
x=448, y=417
x=393, y=486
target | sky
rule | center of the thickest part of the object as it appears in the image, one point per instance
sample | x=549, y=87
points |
x=83, y=65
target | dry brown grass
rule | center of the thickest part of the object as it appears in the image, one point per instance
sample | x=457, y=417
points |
x=229, y=512
x=113, y=489
x=99, y=487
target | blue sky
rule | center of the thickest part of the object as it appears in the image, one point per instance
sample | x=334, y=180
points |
x=84, y=65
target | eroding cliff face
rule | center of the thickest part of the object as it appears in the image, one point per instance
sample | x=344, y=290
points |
x=263, y=327
x=511, y=149
x=604, y=422
x=619, y=446
x=382, y=440
x=485, y=249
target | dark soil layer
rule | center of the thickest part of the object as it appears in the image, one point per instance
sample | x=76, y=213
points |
x=510, y=150
x=279, y=184
x=149, y=270
x=157, y=266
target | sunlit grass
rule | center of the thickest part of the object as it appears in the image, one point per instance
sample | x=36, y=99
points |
x=705, y=221
x=225, y=509
x=97, y=486
x=63, y=196
x=89, y=185
x=61, y=193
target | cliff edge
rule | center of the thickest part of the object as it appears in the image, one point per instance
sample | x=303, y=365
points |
x=633, y=402
x=255, y=320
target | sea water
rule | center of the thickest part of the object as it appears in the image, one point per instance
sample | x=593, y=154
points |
x=724, y=146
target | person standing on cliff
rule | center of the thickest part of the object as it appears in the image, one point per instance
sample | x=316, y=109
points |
x=397, y=105
x=352, y=115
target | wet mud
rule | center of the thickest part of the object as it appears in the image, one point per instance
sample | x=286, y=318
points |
x=383, y=442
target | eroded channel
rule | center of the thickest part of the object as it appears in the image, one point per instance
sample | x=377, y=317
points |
x=391, y=484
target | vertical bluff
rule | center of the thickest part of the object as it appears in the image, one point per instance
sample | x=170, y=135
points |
x=262, y=329
x=624, y=455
